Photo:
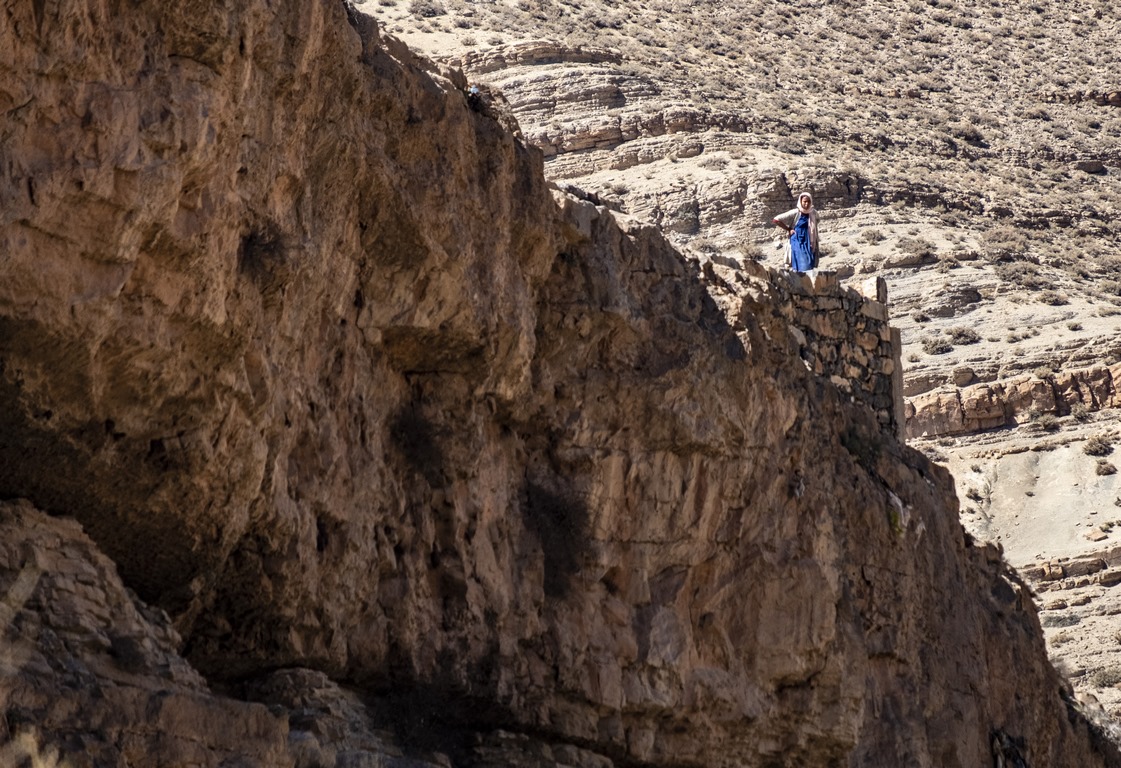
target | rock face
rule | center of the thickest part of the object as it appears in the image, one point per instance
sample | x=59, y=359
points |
x=89, y=672
x=977, y=407
x=298, y=334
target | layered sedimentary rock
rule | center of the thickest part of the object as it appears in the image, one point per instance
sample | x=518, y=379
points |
x=961, y=410
x=295, y=330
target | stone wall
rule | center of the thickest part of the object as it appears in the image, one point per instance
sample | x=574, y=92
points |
x=842, y=335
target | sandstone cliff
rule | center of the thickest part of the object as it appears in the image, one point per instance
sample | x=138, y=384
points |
x=439, y=464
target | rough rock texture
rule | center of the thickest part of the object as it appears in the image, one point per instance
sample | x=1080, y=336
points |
x=842, y=334
x=91, y=675
x=955, y=411
x=298, y=334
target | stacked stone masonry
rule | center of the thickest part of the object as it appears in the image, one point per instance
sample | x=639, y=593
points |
x=843, y=334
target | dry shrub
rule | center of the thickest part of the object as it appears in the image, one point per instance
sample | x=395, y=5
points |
x=1107, y=677
x=915, y=246
x=1024, y=274
x=963, y=335
x=1054, y=298
x=936, y=345
x=1098, y=445
x=426, y=8
x=1046, y=422
x=1004, y=242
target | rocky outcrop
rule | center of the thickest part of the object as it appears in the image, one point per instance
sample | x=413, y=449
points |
x=89, y=670
x=92, y=676
x=401, y=439
x=989, y=405
x=530, y=53
x=1101, y=98
x=1102, y=567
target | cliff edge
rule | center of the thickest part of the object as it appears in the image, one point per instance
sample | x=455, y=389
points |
x=380, y=451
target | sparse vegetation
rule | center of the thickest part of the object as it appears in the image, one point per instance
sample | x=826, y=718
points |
x=1105, y=467
x=1098, y=445
x=963, y=335
x=1046, y=422
x=936, y=345
x=1024, y=274
x=1107, y=677
x=426, y=8
x=917, y=247
x=1054, y=298
x=1004, y=242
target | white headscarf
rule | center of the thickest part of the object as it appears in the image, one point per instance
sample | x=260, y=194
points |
x=790, y=218
x=812, y=213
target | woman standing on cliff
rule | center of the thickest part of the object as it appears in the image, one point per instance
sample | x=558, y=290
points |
x=801, y=227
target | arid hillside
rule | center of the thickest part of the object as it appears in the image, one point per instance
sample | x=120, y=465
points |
x=970, y=154
x=948, y=143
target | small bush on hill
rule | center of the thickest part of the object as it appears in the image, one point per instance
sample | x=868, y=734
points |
x=936, y=345
x=1004, y=242
x=963, y=335
x=1098, y=445
x=1108, y=677
x=1046, y=422
x=426, y=8
x=1054, y=298
x=1024, y=274
x=916, y=246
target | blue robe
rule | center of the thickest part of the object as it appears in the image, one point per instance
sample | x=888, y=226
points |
x=801, y=252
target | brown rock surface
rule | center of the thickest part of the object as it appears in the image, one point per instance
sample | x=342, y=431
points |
x=306, y=345
x=90, y=676
x=977, y=407
x=986, y=210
